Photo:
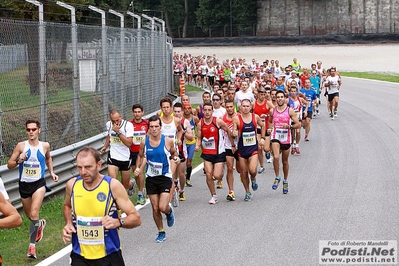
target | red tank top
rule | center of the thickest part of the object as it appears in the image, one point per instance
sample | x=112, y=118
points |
x=260, y=110
x=139, y=133
x=210, y=137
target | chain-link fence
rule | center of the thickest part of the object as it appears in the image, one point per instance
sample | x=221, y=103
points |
x=70, y=77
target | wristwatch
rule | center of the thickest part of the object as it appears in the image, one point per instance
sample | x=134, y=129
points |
x=122, y=222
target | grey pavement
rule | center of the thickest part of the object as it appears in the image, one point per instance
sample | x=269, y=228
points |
x=344, y=186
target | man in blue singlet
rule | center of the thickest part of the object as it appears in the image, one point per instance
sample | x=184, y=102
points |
x=155, y=153
x=32, y=156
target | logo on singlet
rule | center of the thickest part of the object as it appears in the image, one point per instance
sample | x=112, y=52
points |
x=101, y=197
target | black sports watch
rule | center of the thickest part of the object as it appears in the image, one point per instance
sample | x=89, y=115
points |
x=122, y=222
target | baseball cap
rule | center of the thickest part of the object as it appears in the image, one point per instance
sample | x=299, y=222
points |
x=186, y=106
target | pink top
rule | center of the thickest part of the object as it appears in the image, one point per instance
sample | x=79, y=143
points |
x=283, y=135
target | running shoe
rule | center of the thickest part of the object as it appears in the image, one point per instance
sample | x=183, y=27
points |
x=175, y=199
x=267, y=155
x=306, y=138
x=182, y=196
x=131, y=190
x=40, y=233
x=219, y=184
x=276, y=183
x=285, y=187
x=32, y=252
x=261, y=170
x=188, y=183
x=297, y=151
x=160, y=237
x=331, y=116
x=293, y=150
x=247, y=196
x=318, y=112
x=170, y=217
x=335, y=114
x=231, y=196
x=213, y=200
x=270, y=160
x=140, y=199
x=254, y=186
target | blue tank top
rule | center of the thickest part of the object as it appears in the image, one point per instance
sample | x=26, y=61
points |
x=247, y=142
x=280, y=88
x=157, y=159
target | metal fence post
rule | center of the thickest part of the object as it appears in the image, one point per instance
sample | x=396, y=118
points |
x=104, y=54
x=76, y=105
x=42, y=63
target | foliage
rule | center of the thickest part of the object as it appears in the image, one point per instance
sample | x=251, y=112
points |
x=214, y=13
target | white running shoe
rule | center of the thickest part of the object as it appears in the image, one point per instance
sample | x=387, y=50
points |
x=213, y=200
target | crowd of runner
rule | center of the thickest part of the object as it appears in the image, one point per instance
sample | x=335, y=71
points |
x=251, y=113
x=264, y=106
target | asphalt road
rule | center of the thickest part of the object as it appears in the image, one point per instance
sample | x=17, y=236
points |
x=344, y=186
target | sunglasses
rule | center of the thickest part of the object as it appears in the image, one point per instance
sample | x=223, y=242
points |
x=215, y=100
x=31, y=129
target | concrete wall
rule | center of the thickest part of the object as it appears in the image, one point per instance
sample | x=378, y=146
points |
x=325, y=17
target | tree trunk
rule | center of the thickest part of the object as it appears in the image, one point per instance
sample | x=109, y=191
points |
x=185, y=18
x=170, y=33
x=32, y=35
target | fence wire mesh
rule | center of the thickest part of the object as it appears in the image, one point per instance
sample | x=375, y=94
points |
x=70, y=84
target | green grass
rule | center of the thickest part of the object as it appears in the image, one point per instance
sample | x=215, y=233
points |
x=192, y=88
x=371, y=75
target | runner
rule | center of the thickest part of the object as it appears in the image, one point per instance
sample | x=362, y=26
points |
x=171, y=128
x=140, y=128
x=206, y=98
x=32, y=156
x=280, y=118
x=11, y=217
x=296, y=104
x=155, y=153
x=187, y=135
x=333, y=83
x=119, y=139
x=230, y=156
x=312, y=100
x=316, y=86
x=245, y=125
x=262, y=107
x=210, y=137
x=91, y=214
x=190, y=144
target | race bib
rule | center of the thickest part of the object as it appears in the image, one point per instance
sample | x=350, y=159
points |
x=282, y=135
x=90, y=230
x=138, y=137
x=249, y=138
x=116, y=140
x=208, y=143
x=31, y=170
x=154, y=169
